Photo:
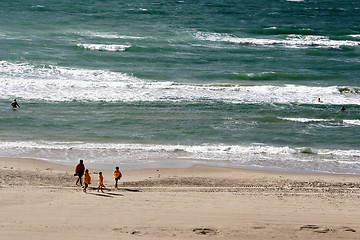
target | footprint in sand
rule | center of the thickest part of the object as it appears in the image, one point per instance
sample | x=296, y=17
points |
x=309, y=227
x=347, y=229
x=324, y=230
x=206, y=231
x=136, y=233
x=317, y=229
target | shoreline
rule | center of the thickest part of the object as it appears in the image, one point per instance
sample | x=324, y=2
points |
x=139, y=156
x=239, y=177
x=178, y=164
x=39, y=199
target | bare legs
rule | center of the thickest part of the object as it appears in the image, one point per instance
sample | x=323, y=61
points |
x=79, y=180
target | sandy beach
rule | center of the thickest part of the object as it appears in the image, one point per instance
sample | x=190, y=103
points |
x=39, y=200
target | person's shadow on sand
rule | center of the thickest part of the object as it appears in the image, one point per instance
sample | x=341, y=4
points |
x=105, y=194
x=109, y=195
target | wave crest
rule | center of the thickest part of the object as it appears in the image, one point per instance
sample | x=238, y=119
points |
x=51, y=83
x=104, y=47
x=291, y=41
x=352, y=122
x=143, y=155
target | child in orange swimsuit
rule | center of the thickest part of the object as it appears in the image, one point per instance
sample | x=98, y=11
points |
x=101, y=182
x=117, y=175
x=87, y=179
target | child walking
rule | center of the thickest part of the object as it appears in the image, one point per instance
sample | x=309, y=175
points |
x=101, y=182
x=117, y=175
x=87, y=179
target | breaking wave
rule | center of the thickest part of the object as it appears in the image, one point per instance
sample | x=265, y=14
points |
x=65, y=84
x=304, y=120
x=291, y=41
x=352, y=122
x=104, y=47
x=146, y=155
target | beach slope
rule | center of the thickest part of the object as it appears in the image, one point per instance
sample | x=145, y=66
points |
x=39, y=200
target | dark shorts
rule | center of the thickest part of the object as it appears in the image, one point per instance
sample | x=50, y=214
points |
x=78, y=174
x=118, y=178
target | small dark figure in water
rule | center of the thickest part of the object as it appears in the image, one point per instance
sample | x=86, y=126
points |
x=342, y=108
x=14, y=104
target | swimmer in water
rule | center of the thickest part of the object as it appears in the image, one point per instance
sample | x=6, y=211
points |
x=14, y=104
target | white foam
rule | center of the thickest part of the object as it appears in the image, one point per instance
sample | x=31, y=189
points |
x=63, y=84
x=195, y=151
x=49, y=72
x=326, y=160
x=104, y=47
x=352, y=122
x=291, y=41
x=305, y=119
x=355, y=35
x=108, y=35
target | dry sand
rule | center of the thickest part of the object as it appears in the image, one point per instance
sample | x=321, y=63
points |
x=39, y=200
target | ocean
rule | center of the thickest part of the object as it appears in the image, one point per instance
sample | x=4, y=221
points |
x=164, y=84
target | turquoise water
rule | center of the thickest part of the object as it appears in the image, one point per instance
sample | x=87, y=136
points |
x=173, y=83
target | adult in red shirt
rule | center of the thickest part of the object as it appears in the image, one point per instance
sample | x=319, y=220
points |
x=79, y=172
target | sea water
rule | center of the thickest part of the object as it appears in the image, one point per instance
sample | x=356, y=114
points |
x=141, y=84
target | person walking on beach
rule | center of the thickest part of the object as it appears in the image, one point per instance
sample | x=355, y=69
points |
x=14, y=104
x=101, y=182
x=117, y=175
x=79, y=172
x=87, y=179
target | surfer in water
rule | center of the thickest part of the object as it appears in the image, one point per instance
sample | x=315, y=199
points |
x=342, y=109
x=14, y=104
